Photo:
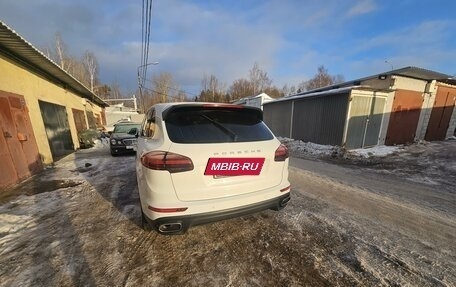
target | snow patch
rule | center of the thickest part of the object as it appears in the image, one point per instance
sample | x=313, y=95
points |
x=298, y=146
x=101, y=144
x=376, y=151
x=11, y=223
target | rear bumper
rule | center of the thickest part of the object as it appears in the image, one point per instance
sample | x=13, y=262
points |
x=186, y=221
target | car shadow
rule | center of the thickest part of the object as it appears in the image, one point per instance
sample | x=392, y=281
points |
x=113, y=177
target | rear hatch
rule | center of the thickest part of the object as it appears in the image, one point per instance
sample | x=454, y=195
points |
x=224, y=143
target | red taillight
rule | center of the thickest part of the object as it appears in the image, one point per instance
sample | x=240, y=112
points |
x=286, y=188
x=281, y=153
x=161, y=160
x=221, y=105
x=167, y=210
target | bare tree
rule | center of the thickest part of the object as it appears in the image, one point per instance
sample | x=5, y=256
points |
x=273, y=92
x=91, y=65
x=181, y=96
x=163, y=90
x=258, y=82
x=47, y=52
x=288, y=90
x=103, y=91
x=115, y=91
x=161, y=86
x=241, y=88
x=321, y=79
x=61, y=52
x=84, y=70
x=212, y=90
x=259, y=79
x=77, y=70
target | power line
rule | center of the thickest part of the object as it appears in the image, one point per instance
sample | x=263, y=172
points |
x=160, y=93
x=175, y=89
x=146, y=19
x=147, y=36
x=142, y=36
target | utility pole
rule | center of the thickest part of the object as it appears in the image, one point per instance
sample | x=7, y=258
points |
x=387, y=62
x=141, y=81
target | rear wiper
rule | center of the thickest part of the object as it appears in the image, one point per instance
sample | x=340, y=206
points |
x=222, y=127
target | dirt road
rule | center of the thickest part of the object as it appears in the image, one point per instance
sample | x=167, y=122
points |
x=77, y=224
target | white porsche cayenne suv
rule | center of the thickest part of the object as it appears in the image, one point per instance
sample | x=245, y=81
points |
x=203, y=162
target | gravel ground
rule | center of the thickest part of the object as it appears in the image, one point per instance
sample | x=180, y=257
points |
x=353, y=221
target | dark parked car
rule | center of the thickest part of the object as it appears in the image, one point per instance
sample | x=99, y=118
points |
x=123, y=138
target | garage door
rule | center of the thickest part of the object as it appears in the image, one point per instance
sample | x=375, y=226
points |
x=441, y=114
x=366, y=116
x=19, y=154
x=79, y=120
x=55, y=120
x=404, y=117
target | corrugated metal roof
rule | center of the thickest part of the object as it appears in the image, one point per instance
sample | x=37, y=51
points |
x=317, y=93
x=419, y=73
x=410, y=72
x=14, y=46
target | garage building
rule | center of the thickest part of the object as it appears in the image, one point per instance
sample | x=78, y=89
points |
x=42, y=109
x=397, y=107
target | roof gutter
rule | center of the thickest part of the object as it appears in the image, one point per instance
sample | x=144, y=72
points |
x=17, y=49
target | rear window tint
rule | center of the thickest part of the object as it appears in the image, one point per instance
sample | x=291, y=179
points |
x=216, y=125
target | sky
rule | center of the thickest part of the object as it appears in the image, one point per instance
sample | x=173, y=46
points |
x=288, y=39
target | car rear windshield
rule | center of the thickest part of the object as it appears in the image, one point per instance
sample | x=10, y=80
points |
x=216, y=125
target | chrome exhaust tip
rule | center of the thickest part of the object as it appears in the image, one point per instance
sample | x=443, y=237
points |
x=170, y=227
x=284, y=201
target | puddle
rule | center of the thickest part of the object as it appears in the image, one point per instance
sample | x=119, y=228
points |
x=36, y=187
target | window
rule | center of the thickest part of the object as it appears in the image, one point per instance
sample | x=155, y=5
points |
x=216, y=125
x=126, y=128
x=149, y=125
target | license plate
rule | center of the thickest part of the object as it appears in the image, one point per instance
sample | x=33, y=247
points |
x=234, y=166
x=129, y=147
